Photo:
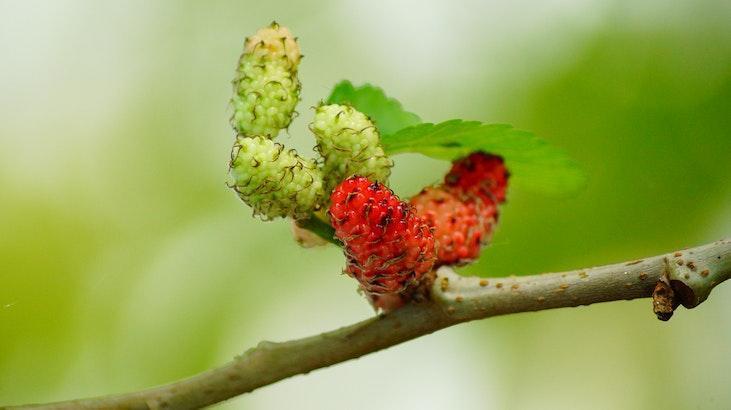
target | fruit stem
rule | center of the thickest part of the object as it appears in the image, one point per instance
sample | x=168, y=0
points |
x=320, y=228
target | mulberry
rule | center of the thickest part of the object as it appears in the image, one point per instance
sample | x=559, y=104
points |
x=462, y=224
x=350, y=145
x=266, y=88
x=387, y=246
x=274, y=181
x=480, y=174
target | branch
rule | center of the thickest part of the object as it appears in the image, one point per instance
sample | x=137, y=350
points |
x=689, y=274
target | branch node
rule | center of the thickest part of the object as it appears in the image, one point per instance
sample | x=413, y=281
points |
x=664, y=301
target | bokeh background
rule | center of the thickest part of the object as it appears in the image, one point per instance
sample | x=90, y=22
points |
x=125, y=262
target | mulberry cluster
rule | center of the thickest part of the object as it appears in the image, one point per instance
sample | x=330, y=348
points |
x=266, y=88
x=349, y=144
x=387, y=246
x=464, y=210
x=390, y=245
x=274, y=181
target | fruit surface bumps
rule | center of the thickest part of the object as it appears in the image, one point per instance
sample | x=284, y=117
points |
x=274, y=42
x=462, y=224
x=481, y=174
x=266, y=88
x=274, y=181
x=387, y=246
x=349, y=143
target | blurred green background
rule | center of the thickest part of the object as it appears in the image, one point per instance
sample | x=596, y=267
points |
x=125, y=262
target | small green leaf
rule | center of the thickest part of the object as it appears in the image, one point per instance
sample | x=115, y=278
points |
x=386, y=113
x=533, y=162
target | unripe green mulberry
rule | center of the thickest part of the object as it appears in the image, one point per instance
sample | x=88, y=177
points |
x=273, y=180
x=350, y=145
x=266, y=88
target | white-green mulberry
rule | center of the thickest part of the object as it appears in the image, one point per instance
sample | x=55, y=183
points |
x=266, y=88
x=349, y=144
x=274, y=42
x=273, y=180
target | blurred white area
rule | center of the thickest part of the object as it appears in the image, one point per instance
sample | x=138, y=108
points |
x=69, y=69
x=434, y=47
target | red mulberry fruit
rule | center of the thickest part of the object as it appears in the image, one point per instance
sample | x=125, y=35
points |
x=480, y=174
x=462, y=224
x=387, y=246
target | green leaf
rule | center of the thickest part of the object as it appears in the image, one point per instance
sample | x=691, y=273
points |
x=385, y=112
x=533, y=162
